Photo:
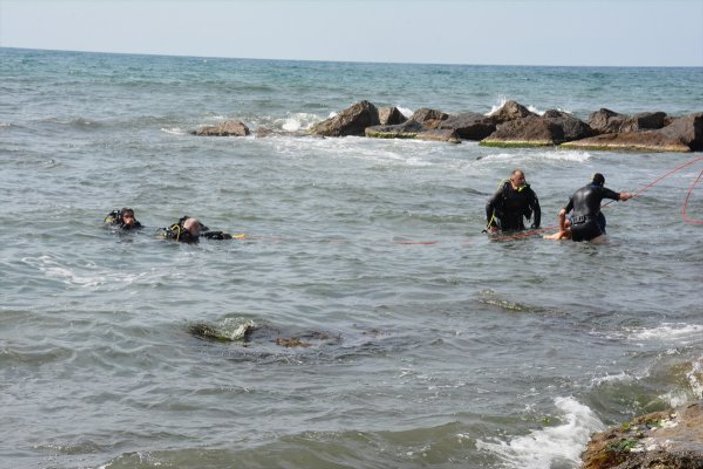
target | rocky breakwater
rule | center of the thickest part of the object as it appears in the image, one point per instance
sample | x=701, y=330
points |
x=513, y=125
x=670, y=439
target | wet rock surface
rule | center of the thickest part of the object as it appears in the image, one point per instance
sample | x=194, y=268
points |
x=670, y=439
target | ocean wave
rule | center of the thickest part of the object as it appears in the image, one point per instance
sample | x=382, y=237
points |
x=544, y=447
x=174, y=131
x=539, y=155
x=667, y=331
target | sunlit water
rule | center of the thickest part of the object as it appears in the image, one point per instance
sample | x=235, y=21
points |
x=429, y=344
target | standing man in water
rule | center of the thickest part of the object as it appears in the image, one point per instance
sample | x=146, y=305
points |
x=587, y=221
x=513, y=201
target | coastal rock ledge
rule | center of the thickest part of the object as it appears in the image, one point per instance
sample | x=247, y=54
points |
x=670, y=439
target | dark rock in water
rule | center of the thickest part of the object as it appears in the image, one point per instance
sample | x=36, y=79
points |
x=646, y=140
x=531, y=131
x=430, y=118
x=390, y=116
x=230, y=128
x=648, y=120
x=408, y=129
x=469, y=126
x=573, y=128
x=439, y=135
x=509, y=111
x=688, y=129
x=605, y=121
x=412, y=129
x=670, y=439
x=351, y=121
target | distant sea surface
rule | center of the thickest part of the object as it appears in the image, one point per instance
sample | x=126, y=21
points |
x=423, y=342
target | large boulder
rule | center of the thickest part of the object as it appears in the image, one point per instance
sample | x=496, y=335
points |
x=351, y=121
x=430, y=118
x=390, y=116
x=509, y=111
x=670, y=439
x=530, y=131
x=573, y=128
x=230, y=128
x=469, y=126
x=683, y=134
x=688, y=129
x=605, y=121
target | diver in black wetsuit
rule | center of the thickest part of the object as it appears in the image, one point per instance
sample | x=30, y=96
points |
x=189, y=230
x=587, y=221
x=122, y=219
x=513, y=201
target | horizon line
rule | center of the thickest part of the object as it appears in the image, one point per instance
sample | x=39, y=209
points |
x=371, y=62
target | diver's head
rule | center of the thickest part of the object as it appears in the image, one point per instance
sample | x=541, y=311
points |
x=517, y=178
x=193, y=226
x=598, y=179
x=127, y=217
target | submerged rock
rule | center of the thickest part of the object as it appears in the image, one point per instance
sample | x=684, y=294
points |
x=413, y=130
x=670, y=439
x=230, y=128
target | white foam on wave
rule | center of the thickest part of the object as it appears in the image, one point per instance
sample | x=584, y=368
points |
x=504, y=99
x=298, y=121
x=544, y=447
x=666, y=332
x=174, y=131
x=530, y=155
x=94, y=277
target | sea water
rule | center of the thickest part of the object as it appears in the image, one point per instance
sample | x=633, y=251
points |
x=425, y=343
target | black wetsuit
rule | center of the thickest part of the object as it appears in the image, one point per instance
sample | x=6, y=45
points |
x=587, y=221
x=114, y=218
x=510, y=206
x=178, y=233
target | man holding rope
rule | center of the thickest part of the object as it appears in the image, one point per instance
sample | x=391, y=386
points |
x=587, y=221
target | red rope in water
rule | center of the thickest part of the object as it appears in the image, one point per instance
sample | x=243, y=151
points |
x=684, y=207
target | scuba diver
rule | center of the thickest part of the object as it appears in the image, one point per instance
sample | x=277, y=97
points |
x=189, y=230
x=122, y=219
x=587, y=220
x=513, y=201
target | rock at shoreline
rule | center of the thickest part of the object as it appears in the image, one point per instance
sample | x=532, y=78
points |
x=531, y=131
x=390, y=116
x=605, y=121
x=509, y=111
x=412, y=130
x=230, y=128
x=683, y=134
x=430, y=118
x=660, y=440
x=469, y=125
x=351, y=121
x=572, y=128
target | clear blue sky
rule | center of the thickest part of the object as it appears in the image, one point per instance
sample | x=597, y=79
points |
x=527, y=32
